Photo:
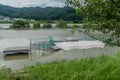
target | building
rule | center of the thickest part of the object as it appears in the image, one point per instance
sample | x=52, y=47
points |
x=6, y=19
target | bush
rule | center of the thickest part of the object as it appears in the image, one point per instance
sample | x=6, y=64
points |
x=61, y=25
x=36, y=25
x=47, y=26
x=74, y=28
x=20, y=24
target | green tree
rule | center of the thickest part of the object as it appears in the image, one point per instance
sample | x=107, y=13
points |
x=47, y=26
x=75, y=28
x=36, y=25
x=102, y=15
x=61, y=24
x=20, y=24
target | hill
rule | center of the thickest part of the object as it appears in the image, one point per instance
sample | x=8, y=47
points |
x=39, y=13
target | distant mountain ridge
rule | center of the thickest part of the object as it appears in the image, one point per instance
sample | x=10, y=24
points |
x=39, y=13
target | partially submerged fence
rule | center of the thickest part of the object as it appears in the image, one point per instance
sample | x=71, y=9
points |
x=41, y=45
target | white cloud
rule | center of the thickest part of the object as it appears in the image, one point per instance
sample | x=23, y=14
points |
x=33, y=3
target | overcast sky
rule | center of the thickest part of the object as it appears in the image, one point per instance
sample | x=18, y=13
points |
x=33, y=3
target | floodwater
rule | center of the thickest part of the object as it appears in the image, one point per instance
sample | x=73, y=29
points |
x=18, y=61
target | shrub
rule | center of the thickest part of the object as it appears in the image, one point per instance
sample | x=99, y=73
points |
x=74, y=28
x=20, y=24
x=61, y=24
x=47, y=26
x=36, y=25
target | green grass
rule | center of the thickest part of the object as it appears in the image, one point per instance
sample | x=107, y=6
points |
x=100, y=68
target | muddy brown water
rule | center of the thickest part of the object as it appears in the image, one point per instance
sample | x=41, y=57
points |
x=16, y=56
x=19, y=61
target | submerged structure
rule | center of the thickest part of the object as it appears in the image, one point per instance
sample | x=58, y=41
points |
x=12, y=46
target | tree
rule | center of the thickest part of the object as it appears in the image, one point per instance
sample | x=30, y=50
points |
x=36, y=25
x=47, y=26
x=20, y=24
x=61, y=24
x=74, y=28
x=102, y=15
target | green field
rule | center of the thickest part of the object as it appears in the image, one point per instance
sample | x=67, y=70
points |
x=91, y=68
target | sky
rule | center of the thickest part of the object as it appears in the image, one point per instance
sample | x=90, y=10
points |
x=33, y=3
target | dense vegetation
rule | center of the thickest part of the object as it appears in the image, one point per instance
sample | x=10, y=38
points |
x=47, y=25
x=36, y=25
x=101, y=15
x=23, y=24
x=38, y=13
x=20, y=24
x=100, y=68
x=62, y=25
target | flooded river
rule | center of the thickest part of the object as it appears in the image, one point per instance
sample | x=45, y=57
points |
x=19, y=61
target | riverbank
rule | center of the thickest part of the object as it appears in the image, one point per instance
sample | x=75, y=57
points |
x=95, y=68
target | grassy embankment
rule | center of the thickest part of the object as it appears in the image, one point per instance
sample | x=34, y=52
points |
x=100, y=68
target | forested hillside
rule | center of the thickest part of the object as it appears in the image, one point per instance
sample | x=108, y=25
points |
x=39, y=13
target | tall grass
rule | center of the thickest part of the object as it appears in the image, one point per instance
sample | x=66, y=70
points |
x=91, y=68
